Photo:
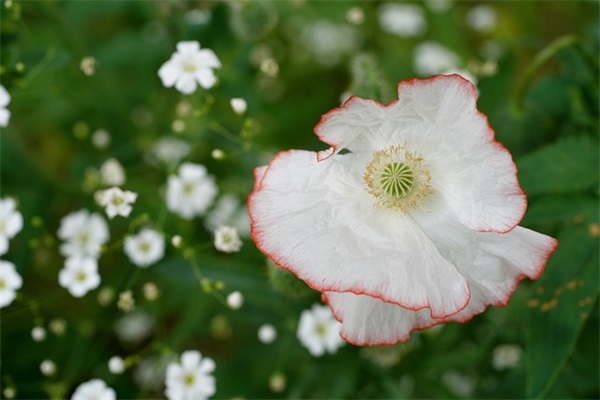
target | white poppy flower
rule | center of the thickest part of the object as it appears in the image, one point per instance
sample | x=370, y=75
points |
x=79, y=275
x=432, y=58
x=188, y=67
x=190, y=192
x=415, y=226
x=191, y=379
x=4, y=101
x=227, y=239
x=94, y=389
x=10, y=282
x=404, y=20
x=145, y=248
x=319, y=331
x=84, y=234
x=11, y=222
x=116, y=201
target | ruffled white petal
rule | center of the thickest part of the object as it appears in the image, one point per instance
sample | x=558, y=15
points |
x=493, y=264
x=317, y=220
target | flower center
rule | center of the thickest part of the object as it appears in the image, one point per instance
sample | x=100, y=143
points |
x=81, y=276
x=189, y=67
x=189, y=379
x=320, y=329
x=397, y=179
x=144, y=247
x=188, y=188
x=2, y=284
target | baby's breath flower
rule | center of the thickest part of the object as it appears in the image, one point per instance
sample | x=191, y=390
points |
x=169, y=151
x=238, y=105
x=101, y=139
x=134, y=327
x=88, y=65
x=482, y=18
x=178, y=126
x=11, y=222
x=432, y=58
x=10, y=282
x=190, y=192
x=227, y=239
x=277, y=382
x=217, y=154
x=116, y=365
x=319, y=331
x=403, y=20
x=38, y=333
x=355, y=15
x=188, y=67
x=269, y=67
x=84, y=234
x=150, y=291
x=126, y=301
x=116, y=201
x=176, y=241
x=94, y=389
x=235, y=300
x=79, y=275
x=229, y=210
x=191, y=378
x=267, y=334
x=4, y=101
x=506, y=356
x=48, y=367
x=58, y=326
x=145, y=248
x=112, y=173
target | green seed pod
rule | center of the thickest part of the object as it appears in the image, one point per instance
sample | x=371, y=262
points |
x=286, y=283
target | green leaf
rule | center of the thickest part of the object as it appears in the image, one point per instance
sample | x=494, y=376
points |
x=565, y=166
x=561, y=302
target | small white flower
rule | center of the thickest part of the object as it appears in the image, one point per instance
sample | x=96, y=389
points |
x=235, y=300
x=329, y=42
x=506, y=356
x=116, y=201
x=229, y=211
x=431, y=58
x=134, y=327
x=188, y=67
x=169, y=151
x=459, y=383
x=198, y=17
x=112, y=173
x=482, y=18
x=84, y=234
x=101, y=139
x=190, y=192
x=126, y=301
x=88, y=65
x=4, y=101
x=191, y=379
x=48, y=367
x=151, y=291
x=267, y=334
x=238, y=105
x=404, y=20
x=10, y=282
x=116, y=365
x=11, y=222
x=227, y=239
x=319, y=331
x=439, y=6
x=79, y=275
x=94, y=389
x=355, y=15
x=38, y=333
x=145, y=248
x=277, y=382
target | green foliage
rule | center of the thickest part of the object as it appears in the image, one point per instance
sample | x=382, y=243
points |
x=537, y=72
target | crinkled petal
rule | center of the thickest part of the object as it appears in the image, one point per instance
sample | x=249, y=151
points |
x=317, y=220
x=493, y=263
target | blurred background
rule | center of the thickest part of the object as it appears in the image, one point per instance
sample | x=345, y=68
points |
x=83, y=84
